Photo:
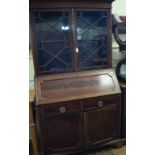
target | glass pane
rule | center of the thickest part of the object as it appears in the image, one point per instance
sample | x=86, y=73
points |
x=92, y=38
x=53, y=40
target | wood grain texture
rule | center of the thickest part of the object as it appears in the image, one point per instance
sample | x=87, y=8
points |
x=81, y=126
x=76, y=111
x=70, y=4
x=70, y=125
x=102, y=125
x=73, y=86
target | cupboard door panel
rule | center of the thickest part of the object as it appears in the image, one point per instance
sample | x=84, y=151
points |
x=92, y=32
x=64, y=132
x=102, y=125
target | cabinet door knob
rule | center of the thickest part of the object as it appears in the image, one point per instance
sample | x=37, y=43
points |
x=100, y=103
x=62, y=109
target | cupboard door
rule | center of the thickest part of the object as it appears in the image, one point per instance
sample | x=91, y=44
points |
x=63, y=133
x=92, y=34
x=52, y=35
x=102, y=125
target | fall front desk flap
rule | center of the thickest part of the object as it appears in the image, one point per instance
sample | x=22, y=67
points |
x=77, y=85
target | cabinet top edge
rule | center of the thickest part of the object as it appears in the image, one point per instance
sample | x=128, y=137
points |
x=71, y=1
x=69, y=4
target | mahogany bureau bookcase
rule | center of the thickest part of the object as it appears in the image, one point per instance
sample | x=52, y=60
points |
x=77, y=95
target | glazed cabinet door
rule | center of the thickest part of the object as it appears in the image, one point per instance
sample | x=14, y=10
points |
x=65, y=40
x=93, y=40
x=52, y=38
x=63, y=133
x=102, y=125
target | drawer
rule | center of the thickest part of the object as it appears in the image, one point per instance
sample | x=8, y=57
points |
x=62, y=108
x=99, y=102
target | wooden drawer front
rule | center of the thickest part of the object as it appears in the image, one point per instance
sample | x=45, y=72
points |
x=62, y=108
x=99, y=102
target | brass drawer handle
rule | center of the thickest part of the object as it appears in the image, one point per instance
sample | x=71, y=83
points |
x=100, y=103
x=62, y=109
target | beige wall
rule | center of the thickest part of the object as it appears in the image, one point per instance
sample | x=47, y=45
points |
x=119, y=7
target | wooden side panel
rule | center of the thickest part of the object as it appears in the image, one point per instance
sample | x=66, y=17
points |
x=123, y=112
